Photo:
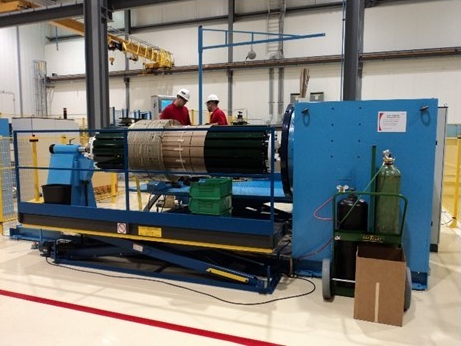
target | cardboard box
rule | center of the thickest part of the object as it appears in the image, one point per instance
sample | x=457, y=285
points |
x=380, y=284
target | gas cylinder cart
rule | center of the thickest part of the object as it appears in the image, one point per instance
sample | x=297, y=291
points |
x=350, y=229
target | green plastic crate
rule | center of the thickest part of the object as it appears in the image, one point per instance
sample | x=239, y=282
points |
x=211, y=188
x=210, y=206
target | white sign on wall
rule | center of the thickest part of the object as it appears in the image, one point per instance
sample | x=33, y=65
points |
x=392, y=121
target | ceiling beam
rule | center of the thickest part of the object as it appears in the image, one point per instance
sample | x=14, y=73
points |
x=40, y=14
x=240, y=65
x=116, y=5
x=48, y=13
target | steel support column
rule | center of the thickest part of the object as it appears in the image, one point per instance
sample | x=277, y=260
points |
x=271, y=93
x=18, y=52
x=280, y=108
x=353, y=48
x=230, y=54
x=96, y=57
x=127, y=61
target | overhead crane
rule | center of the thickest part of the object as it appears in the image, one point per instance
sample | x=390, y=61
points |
x=132, y=48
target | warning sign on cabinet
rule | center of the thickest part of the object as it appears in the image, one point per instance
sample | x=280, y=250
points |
x=392, y=121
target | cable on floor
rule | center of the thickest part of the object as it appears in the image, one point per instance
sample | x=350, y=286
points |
x=447, y=222
x=48, y=260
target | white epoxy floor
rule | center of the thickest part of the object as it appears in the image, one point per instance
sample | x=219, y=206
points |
x=433, y=319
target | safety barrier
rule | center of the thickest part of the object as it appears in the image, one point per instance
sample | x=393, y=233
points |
x=451, y=178
x=7, y=182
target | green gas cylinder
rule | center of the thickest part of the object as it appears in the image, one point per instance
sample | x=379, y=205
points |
x=388, y=207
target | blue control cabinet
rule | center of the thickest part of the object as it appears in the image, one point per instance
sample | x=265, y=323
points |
x=332, y=146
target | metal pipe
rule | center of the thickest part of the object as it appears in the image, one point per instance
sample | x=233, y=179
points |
x=271, y=93
x=200, y=73
x=281, y=93
x=18, y=51
x=284, y=37
x=371, y=212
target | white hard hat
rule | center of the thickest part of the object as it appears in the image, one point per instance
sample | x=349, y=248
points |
x=213, y=97
x=183, y=93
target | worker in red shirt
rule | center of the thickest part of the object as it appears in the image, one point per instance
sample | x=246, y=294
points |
x=217, y=115
x=177, y=110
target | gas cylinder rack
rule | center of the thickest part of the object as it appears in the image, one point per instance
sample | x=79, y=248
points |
x=338, y=273
x=354, y=223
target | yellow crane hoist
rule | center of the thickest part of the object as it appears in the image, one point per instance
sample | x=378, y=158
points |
x=132, y=48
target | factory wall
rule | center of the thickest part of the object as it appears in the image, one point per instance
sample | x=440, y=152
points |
x=32, y=43
x=32, y=47
x=420, y=78
x=392, y=26
x=9, y=83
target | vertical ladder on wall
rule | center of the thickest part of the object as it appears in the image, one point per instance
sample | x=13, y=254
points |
x=40, y=88
x=275, y=19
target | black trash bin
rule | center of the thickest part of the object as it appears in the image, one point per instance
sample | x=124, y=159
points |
x=57, y=193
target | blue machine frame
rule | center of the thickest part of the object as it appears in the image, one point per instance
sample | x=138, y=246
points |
x=333, y=147
x=69, y=166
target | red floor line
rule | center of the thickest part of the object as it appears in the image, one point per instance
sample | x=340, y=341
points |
x=146, y=321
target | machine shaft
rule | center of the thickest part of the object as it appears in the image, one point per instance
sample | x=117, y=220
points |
x=172, y=150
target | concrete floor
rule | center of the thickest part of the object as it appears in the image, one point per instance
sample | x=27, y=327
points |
x=42, y=304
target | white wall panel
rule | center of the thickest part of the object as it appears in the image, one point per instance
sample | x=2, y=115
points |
x=245, y=6
x=117, y=93
x=313, y=22
x=70, y=95
x=414, y=25
x=431, y=78
x=118, y=20
x=9, y=82
x=32, y=45
x=251, y=93
x=300, y=3
x=66, y=58
x=174, y=12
